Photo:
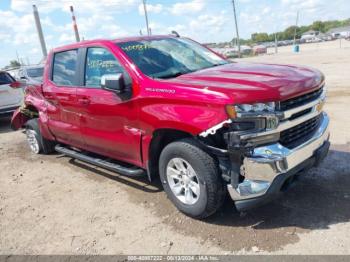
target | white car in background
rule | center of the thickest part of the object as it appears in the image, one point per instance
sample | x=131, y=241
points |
x=11, y=94
x=31, y=74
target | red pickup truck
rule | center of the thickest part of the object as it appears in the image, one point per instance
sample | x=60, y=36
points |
x=168, y=107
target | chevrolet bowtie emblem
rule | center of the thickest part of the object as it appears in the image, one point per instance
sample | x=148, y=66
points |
x=268, y=152
x=319, y=106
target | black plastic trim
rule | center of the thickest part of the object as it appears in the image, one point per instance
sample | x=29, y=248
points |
x=127, y=171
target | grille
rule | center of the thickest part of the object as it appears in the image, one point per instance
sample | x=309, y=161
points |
x=300, y=100
x=299, y=134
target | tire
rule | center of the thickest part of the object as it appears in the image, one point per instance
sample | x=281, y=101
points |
x=37, y=143
x=212, y=190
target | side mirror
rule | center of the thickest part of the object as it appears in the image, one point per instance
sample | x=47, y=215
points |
x=113, y=82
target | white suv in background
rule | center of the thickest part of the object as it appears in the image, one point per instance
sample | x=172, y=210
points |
x=10, y=97
x=31, y=74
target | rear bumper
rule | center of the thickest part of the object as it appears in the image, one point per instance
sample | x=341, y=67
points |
x=270, y=167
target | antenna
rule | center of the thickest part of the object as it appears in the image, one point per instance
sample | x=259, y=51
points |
x=175, y=33
x=75, y=27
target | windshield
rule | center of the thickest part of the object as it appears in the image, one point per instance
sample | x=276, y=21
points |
x=169, y=57
x=35, y=72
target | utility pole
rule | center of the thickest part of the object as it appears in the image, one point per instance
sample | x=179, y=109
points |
x=40, y=31
x=17, y=56
x=295, y=29
x=146, y=17
x=237, y=34
x=75, y=27
x=276, y=44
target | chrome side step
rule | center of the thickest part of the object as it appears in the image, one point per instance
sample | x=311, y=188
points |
x=127, y=171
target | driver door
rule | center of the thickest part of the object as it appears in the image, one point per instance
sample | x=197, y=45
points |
x=109, y=123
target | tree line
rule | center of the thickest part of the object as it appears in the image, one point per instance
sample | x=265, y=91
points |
x=288, y=33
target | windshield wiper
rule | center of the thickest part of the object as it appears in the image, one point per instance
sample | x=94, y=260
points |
x=213, y=65
x=174, y=75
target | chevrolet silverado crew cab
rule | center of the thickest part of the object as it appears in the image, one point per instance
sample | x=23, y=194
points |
x=168, y=107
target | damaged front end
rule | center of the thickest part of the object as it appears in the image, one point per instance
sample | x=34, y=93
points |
x=21, y=116
x=260, y=151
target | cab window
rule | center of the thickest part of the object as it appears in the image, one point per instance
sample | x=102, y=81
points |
x=64, y=68
x=99, y=62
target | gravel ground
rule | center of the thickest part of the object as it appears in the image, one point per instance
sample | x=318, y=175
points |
x=55, y=205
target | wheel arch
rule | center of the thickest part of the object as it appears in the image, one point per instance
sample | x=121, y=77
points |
x=160, y=139
x=30, y=111
x=22, y=115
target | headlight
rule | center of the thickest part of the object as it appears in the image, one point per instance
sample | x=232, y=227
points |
x=253, y=108
x=232, y=110
x=255, y=117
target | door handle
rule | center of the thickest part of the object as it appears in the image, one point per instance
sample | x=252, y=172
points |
x=84, y=101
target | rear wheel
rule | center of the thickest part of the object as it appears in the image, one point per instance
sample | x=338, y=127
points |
x=37, y=143
x=191, y=178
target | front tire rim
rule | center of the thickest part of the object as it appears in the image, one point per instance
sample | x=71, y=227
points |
x=183, y=181
x=32, y=141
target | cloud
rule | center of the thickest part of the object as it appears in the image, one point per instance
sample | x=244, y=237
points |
x=302, y=3
x=207, y=22
x=156, y=8
x=266, y=10
x=182, y=8
x=66, y=38
x=81, y=6
x=23, y=30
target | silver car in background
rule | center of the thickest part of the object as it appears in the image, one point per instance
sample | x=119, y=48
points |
x=11, y=94
x=31, y=74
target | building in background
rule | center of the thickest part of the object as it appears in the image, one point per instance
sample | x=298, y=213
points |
x=309, y=35
x=340, y=32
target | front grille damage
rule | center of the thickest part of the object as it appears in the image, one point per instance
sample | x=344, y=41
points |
x=299, y=134
x=230, y=150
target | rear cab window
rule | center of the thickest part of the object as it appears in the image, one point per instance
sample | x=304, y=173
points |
x=65, y=67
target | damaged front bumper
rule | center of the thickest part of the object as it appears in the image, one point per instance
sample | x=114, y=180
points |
x=268, y=168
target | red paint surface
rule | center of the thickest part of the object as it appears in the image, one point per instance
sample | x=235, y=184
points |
x=100, y=121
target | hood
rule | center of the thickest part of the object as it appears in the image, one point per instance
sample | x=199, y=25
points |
x=252, y=82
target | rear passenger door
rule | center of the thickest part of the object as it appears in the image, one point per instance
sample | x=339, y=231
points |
x=60, y=92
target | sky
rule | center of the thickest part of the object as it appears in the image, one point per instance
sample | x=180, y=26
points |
x=202, y=20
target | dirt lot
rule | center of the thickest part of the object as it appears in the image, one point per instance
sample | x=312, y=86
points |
x=54, y=205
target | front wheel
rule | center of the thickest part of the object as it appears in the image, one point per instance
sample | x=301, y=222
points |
x=37, y=143
x=191, y=178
